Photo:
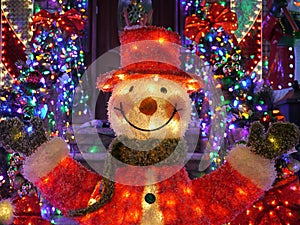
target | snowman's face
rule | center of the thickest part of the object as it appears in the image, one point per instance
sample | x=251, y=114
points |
x=151, y=107
x=294, y=5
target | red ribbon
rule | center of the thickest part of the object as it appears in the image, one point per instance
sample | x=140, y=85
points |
x=70, y=22
x=218, y=16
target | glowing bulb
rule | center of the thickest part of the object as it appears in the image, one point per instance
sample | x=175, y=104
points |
x=161, y=40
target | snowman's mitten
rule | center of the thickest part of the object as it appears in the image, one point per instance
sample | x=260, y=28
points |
x=256, y=160
x=22, y=138
x=279, y=139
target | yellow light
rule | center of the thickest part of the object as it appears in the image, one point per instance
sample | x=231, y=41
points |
x=171, y=203
x=161, y=40
x=6, y=211
x=198, y=210
x=187, y=191
x=121, y=76
x=92, y=201
x=273, y=202
x=107, y=86
x=126, y=194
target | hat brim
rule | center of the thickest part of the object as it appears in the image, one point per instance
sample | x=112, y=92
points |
x=148, y=69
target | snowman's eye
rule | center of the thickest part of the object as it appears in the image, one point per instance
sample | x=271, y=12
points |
x=163, y=90
x=131, y=88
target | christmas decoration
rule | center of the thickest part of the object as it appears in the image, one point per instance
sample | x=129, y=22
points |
x=283, y=63
x=247, y=97
x=217, y=16
x=6, y=211
x=134, y=13
x=70, y=22
x=163, y=109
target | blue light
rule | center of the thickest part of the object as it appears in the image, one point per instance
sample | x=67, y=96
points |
x=235, y=103
x=29, y=129
x=231, y=126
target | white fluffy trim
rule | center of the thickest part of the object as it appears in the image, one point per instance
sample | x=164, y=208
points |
x=259, y=170
x=45, y=159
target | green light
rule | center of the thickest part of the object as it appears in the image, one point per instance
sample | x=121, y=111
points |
x=94, y=149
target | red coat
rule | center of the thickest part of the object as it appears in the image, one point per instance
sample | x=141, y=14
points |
x=282, y=60
x=181, y=200
x=213, y=199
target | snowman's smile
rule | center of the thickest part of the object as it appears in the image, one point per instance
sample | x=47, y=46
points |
x=175, y=110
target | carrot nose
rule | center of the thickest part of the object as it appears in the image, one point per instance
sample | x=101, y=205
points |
x=148, y=106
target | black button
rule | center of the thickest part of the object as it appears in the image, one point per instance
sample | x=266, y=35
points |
x=150, y=198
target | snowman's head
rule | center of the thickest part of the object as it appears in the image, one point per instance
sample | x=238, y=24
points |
x=294, y=5
x=150, y=107
x=149, y=91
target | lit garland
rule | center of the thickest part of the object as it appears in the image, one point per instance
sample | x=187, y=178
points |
x=247, y=12
x=232, y=65
x=236, y=67
x=18, y=13
x=57, y=53
x=12, y=48
x=252, y=45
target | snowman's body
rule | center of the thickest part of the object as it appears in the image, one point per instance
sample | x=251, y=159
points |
x=214, y=199
x=151, y=186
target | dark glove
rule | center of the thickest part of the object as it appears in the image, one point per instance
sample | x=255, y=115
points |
x=276, y=7
x=279, y=139
x=14, y=135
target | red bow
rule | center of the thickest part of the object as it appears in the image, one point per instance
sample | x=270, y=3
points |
x=70, y=22
x=218, y=16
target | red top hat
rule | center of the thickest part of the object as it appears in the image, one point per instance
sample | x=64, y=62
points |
x=145, y=52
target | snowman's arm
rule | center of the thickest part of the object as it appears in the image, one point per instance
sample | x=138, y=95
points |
x=62, y=181
x=235, y=186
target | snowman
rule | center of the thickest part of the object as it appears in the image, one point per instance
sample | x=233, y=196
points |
x=145, y=181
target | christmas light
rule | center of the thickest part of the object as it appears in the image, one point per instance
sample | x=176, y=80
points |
x=6, y=211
